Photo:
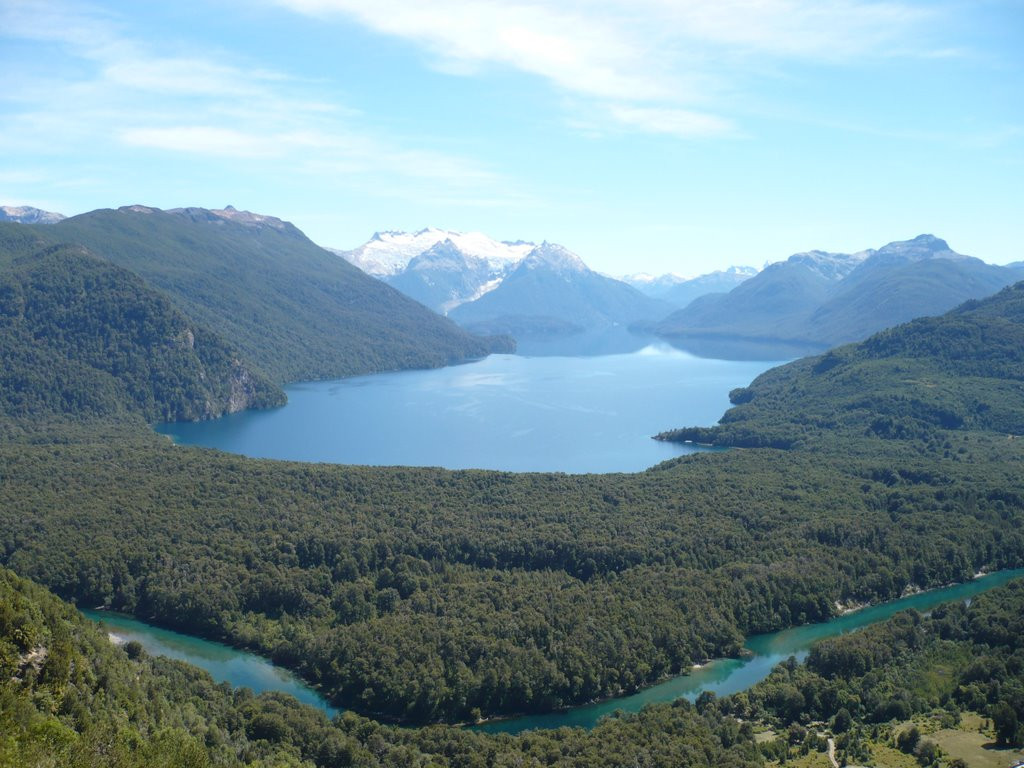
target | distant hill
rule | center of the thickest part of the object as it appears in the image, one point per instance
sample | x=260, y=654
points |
x=81, y=337
x=552, y=291
x=516, y=288
x=444, y=276
x=439, y=268
x=387, y=254
x=819, y=299
x=291, y=307
x=963, y=370
x=26, y=214
x=679, y=291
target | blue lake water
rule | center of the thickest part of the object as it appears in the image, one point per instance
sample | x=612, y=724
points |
x=518, y=413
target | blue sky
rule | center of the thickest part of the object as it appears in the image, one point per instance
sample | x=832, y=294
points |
x=645, y=135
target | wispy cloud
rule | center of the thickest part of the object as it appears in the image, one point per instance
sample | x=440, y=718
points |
x=651, y=65
x=103, y=89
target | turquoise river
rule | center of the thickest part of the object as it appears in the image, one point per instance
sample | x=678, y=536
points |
x=722, y=676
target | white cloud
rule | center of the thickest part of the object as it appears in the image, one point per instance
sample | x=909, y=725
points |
x=104, y=90
x=652, y=65
x=675, y=122
x=201, y=139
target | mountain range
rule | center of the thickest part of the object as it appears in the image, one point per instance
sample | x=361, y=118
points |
x=294, y=309
x=26, y=214
x=680, y=291
x=516, y=288
x=81, y=335
x=192, y=313
x=818, y=299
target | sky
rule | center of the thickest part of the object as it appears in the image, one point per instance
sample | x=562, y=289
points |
x=644, y=135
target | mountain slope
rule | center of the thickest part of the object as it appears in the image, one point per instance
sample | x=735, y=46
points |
x=553, y=290
x=444, y=276
x=387, y=254
x=296, y=310
x=820, y=300
x=679, y=291
x=26, y=214
x=902, y=292
x=80, y=336
x=963, y=370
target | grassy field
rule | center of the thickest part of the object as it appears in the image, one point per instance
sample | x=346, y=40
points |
x=976, y=749
x=810, y=760
x=972, y=740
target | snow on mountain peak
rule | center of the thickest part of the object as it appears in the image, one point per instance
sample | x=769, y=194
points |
x=388, y=253
x=26, y=214
x=554, y=256
x=831, y=266
x=920, y=248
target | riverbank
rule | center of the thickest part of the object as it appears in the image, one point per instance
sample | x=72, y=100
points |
x=760, y=654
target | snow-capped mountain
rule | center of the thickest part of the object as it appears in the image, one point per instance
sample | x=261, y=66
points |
x=830, y=267
x=444, y=276
x=389, y=253
x=680, y=291
x=653, y=285
x=552, y=292
x=554, y=258
x=26, y=214
x=820, y=299
x=437, y=267
x=516, y=288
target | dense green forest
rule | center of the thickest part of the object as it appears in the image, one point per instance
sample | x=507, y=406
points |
x=81, y=338
x=297, y=311
x=959, y=658
x=920, y=382
x=424, y=595
x=70, y=698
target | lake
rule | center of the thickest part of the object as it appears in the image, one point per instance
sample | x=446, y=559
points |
x=520, y=413
x=721, y=676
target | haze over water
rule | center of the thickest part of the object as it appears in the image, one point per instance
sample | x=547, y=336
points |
x=506, y=412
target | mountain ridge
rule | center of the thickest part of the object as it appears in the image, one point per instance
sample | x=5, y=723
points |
x=820, y=299
x=26, y=214
x=86, y=338
x=294, y=309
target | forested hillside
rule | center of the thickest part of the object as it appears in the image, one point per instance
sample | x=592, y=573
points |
x=923, y=381
x=297, y=311
x=423, y=595
x=81, y=337
x=821, y=299
x=70, y=698
x=866, y=685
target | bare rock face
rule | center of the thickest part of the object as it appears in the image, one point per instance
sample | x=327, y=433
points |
x=243, y=390
x=26, y=214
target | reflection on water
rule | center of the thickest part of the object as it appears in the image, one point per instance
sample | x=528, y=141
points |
x=614, y=340
x=507, y=412
x=727, y=348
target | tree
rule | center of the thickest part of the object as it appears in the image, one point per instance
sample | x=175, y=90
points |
x=1005, y=720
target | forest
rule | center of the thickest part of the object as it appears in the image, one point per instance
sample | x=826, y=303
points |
x=959, y=658
x=425, y=596
x=69, y=697
x=422, y=595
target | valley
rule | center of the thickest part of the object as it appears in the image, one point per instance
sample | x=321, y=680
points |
x=424, y=595
x=511, y=384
